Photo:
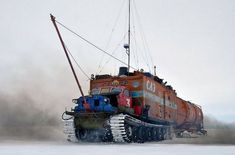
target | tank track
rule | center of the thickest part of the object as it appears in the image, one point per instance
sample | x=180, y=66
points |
x=69, y=130
x=117, y=128
x=125, y=128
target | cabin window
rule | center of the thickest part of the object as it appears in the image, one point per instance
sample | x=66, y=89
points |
x=104, y=90
x=116, y=90
x=95, y=91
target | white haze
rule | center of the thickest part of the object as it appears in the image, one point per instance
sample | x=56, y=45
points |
x=190, y=41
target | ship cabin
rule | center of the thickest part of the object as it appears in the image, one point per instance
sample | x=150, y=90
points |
x=148, y=94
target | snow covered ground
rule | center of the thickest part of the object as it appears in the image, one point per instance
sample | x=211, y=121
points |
x=215, y=143
x=63, y=148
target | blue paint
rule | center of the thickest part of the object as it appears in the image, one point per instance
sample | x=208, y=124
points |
x=136, y=94
x=135, y=84
x=97, y=103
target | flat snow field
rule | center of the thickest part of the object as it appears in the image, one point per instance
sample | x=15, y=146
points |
x=66, y=148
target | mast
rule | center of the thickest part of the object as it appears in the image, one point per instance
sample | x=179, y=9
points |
x=129, y=35
x=66, y=53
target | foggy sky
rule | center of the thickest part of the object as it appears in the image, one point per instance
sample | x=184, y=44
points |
x=191, y=42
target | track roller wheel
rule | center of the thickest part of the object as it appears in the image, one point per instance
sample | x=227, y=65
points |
x=148, y=134
x=129, y=133
x=154, y=134
x=135, y=134
x=159, y=134
x=141, y=134
x=83, y=134
x=108, y=136
x=162, y=134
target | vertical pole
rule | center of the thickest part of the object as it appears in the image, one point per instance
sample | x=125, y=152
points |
x=66, y=53
x=155, y=71
x=129, y=35
x=164, y=105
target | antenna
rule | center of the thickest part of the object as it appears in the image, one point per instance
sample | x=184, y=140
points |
x=127, y=46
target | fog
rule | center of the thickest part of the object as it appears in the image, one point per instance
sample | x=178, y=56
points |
x=191, y=42
x=24, y=117
x=31, y=103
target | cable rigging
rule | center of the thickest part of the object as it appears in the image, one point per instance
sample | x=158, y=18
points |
x=134, y=48
x=143, y=38
x=135, y=55
x=110, y=36
x=76, y=62
x=92, y=44
x=114, y=51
